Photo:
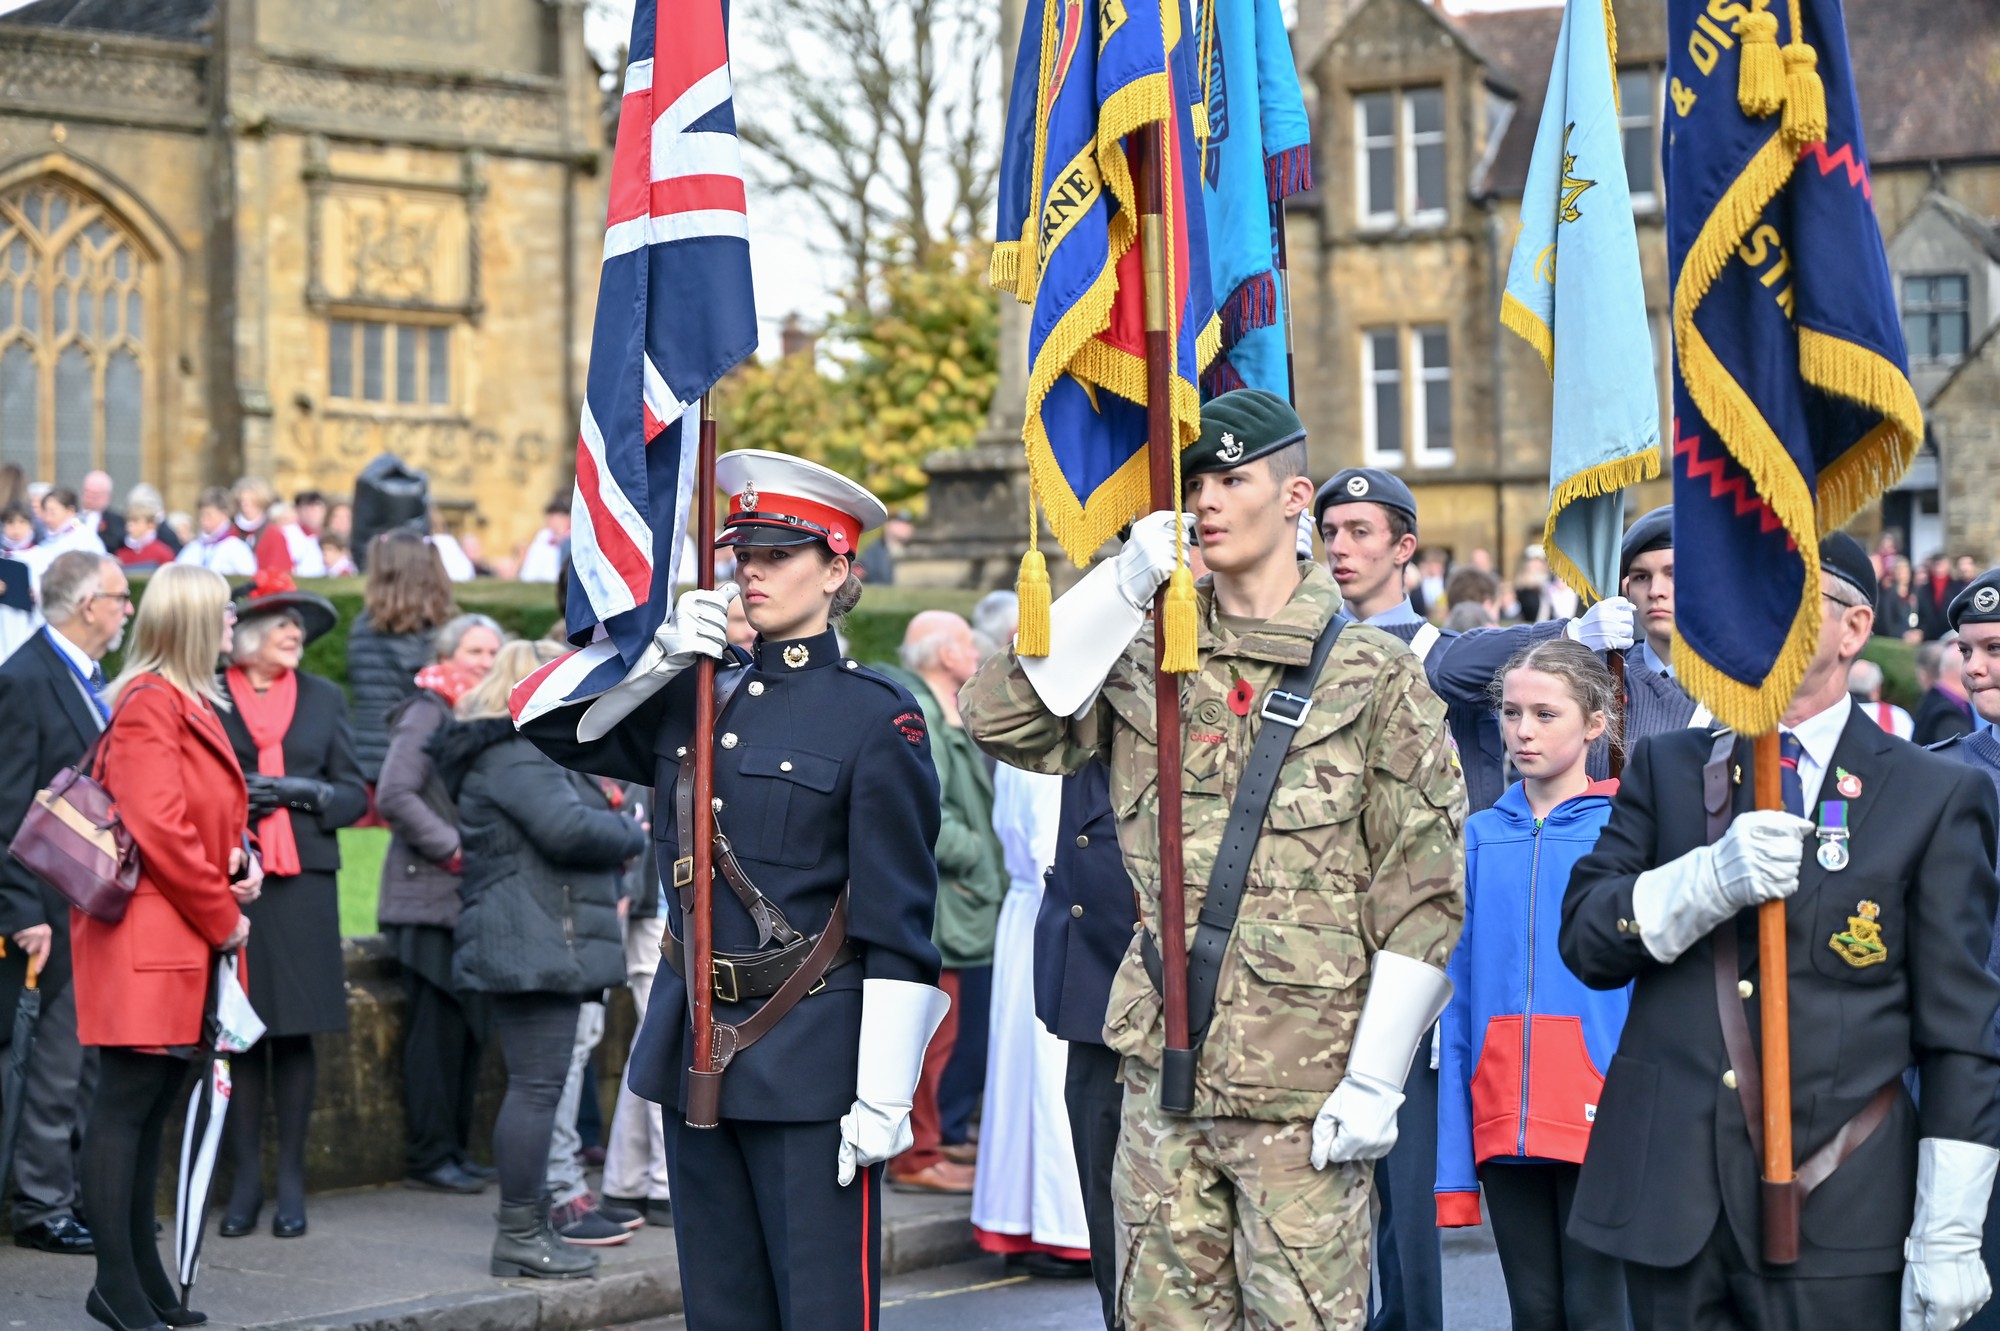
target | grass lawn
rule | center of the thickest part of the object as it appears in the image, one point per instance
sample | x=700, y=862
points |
x=362, y=850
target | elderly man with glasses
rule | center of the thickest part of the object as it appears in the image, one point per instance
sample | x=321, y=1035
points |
x=52, y=706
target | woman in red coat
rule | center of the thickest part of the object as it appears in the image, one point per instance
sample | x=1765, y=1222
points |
x=142, y=984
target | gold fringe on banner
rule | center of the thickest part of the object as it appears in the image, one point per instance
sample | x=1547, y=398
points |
x=1849, y=370
x=1003, y=270
x=1606, y=478
x=1519, y=319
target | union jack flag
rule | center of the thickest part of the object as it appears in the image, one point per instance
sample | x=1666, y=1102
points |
x=674, y=313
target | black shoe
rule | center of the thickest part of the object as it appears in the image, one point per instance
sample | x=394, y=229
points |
x=179, y=1315
x=62, y=1234
x=235, y=1226
x=657, y=1210
x=288, y=1226
x=484, y=1173
x=94, y=1304
x=1048, y=1266
x=447, y=1177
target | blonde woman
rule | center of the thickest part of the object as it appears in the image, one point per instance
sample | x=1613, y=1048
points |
x=141, y=983
x=538, y=930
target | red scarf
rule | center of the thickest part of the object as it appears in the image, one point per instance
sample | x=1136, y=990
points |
x=267, y=716
x=447, y=681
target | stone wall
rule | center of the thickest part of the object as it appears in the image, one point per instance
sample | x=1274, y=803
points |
x=357, y=1132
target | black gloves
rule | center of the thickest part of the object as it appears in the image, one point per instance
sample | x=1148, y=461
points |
x=268, y=794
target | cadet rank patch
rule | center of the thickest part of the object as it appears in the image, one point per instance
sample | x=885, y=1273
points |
x=911, y=724
x=1861, y=944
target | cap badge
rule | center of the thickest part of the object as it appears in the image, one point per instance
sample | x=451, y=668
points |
x=797, y=655
x=749, y=498
x=1985, y=599
x=1357, y=486
x=1231, y=449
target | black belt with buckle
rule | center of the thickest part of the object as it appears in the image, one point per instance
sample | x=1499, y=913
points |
x=743, y=976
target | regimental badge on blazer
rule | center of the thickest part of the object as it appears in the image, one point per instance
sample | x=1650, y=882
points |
x=1861, y=944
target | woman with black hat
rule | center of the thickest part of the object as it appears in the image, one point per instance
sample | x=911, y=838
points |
x=290, y=733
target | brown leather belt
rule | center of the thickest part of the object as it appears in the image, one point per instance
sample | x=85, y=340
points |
x=1743, y=1060
x=742, y=976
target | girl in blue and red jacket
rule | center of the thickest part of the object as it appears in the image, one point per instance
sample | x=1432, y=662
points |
x=1525, y=1043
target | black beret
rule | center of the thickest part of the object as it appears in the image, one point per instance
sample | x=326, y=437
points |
x=1367, y=485
x=1842, y=556
x=1979, y=603
x=1238, y=427
x=1653, y=531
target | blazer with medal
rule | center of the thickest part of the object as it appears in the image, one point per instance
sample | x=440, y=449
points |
x=1887, y=968
x=823, y=769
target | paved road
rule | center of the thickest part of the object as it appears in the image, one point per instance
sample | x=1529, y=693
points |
x=982, y=1296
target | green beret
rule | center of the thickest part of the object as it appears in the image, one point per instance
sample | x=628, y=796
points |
x=1241, y=426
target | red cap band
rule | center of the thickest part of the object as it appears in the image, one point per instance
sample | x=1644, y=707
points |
x=843, y=530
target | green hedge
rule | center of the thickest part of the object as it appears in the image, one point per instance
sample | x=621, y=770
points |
x=874, y=630
x=1898, y=660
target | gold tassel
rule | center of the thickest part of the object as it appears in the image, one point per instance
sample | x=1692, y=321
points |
x=1805, y=96
x=1760, y=83
x=1032, y=586
x=1177, y=623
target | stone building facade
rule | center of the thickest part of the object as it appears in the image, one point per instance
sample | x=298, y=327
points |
x=279, y=237
x=1424, y=122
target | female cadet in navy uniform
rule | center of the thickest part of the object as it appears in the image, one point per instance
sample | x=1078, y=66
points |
x=824, y=786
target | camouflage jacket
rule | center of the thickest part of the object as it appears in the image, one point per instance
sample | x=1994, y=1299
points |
x=1362, y=847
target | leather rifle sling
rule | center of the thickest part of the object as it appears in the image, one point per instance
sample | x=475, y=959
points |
x=1226, y=880
x=1718, y=805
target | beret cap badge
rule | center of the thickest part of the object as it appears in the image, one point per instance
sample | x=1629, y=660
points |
x=1357, y=486
x=1231, y=448
x=1985, y=599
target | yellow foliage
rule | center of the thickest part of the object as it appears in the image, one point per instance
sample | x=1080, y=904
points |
x=914, y=377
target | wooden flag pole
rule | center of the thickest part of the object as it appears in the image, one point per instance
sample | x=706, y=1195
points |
x=1781, y=1196
x=1177, y=1065
x=704, y=1079
x=1616, y=662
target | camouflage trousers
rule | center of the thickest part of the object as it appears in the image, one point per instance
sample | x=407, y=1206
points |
x=1224, y=1223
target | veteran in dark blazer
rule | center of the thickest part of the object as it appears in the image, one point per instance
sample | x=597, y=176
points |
x=52, y=705
x=290, y=733
x=1885, y=862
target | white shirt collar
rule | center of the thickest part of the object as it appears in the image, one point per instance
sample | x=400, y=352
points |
x=77, y=656
x=1819, y=735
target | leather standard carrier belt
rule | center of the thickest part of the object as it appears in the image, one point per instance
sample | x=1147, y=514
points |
x=743, y=976
x=1719, y=805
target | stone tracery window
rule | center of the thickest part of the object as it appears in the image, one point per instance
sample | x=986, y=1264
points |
x=74, y=360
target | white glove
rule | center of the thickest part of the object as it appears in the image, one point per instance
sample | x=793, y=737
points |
x=1756, y=861
x=1606, y=626
x=1945, y=1282
x=699, y=626
x=1092, y=623
x=898, y=1018
x=1358, y=1121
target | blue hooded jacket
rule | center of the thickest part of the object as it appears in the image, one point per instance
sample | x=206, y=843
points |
x=1525, y=1042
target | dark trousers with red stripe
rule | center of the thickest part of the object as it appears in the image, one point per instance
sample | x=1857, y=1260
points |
x=768, y=1239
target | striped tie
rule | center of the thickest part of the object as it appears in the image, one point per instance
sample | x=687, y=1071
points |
x=1789, y=753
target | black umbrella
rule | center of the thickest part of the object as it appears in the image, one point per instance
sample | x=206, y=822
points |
x=14, y=1082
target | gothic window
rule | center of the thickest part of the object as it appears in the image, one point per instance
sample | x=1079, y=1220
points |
x=74, y=360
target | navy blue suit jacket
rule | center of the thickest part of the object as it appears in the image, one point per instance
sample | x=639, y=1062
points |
x=1087, y=914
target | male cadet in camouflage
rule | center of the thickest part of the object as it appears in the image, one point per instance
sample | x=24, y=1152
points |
x=1254, y=1209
